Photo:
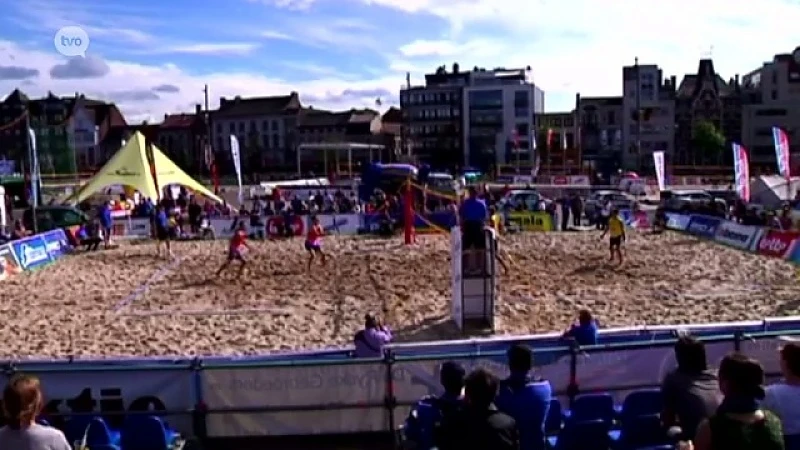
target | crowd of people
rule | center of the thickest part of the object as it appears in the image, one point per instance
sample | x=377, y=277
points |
x=726, y=408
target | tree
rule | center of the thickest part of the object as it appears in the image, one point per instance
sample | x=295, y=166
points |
x=708, y=143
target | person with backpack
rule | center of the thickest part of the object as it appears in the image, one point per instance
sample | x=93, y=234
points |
x=525, y=398
x=429, y=412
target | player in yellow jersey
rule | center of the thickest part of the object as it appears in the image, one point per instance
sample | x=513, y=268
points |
x=496, y=220
x=616, y=229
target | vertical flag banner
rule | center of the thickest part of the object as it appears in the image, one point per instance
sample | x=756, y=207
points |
x=564, y=140
x=741, y=171
x=35, y=175
x=237, y=164
x=782, y=151
x=658, y=163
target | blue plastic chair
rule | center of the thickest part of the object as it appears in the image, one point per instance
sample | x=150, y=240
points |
x=75, y=427
x=147, y=433
x=592, y=407
x=638, y=432
x=555, y=416
x=99, y=434
x=582, y=435
x=641, y=403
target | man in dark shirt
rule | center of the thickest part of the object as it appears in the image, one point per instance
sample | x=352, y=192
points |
x=479, y=425
x=691, y=392
x=473, y=214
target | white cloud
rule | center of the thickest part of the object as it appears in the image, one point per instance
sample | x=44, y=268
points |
x=127, y=83
x=223, y=48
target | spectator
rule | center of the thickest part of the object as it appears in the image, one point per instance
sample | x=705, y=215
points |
x=195, y=211
x=22, y=402
x=369, y=342
x=106, y=222
x=525, y=398
x=784, y=398
x=690, y=392
x=584, y=332
x=740, y=423
x=19, y=231
x=473, y=215
x=479, y=425
x=427, y=415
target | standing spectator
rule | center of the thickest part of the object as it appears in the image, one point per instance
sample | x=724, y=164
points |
x=576, y=205
x=427, y=415
x=22, y=402
x=585, y=331
x=473, y=215
x=525, y=398
x=195, y=211
x=479, y=425
x=369, y=342
x=106, y=222
x=739, y=423
x=690, y=392
x=784, y=398
x=564, y=205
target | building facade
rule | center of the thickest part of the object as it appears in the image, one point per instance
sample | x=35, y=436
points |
x=557, y=143
x=181, y=138
x=480, y=118
x=265, y=127
x=772, y=98
x=706, y=97
x=337, y=130
x=648, y=116
x=600, y=122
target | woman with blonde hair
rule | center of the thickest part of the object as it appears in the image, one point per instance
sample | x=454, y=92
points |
x=22, y=403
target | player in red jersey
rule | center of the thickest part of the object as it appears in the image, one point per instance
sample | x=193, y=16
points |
x=313, y=243
x=236, y=250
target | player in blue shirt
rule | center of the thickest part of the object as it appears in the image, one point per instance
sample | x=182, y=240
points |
x=473, y=214
x=584, y=332
x=525, y=398
x=429, y=411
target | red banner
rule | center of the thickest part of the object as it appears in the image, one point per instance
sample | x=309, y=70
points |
x=778, y=244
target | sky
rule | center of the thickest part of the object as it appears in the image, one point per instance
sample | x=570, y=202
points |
x=153, y=57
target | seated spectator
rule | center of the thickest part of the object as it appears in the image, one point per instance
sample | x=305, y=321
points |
x=784, y=398
x=19, y=231
x=740, y=423
x=22, y=402
x=479, y=425
x=585, y=331
x=91, y=235
x=690, y=392
x=369, y=342
x=525, y=398
x=428, y=413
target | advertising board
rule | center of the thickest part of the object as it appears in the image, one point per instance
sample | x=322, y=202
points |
x=275, y=226
x=8, y=263
x=738, y=236
x=777, y=244
x=31, y=253
x=679, y=222
x=703, y=226
x=530, y=221
x=56, y=243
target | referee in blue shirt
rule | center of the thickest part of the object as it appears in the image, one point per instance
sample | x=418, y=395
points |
x=473, y=214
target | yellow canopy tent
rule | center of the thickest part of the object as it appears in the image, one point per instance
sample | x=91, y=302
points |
x=129, y=167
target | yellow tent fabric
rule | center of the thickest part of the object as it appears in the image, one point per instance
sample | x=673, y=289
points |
x=128, y=167
x=167, y=172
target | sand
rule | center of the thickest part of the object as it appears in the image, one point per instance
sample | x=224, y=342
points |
x=83, y=306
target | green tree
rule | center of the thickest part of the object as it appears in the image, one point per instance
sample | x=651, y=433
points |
x=708, y=143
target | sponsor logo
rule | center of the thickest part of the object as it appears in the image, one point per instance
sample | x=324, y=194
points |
x=31, y=254
x=677, y=221
x=700, y=228
x=125, y=173
x=703, y=226
x=733, y=235
x=738, y=236
x=776, y=244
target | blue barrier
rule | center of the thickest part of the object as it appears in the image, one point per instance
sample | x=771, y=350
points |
x=678, y=222
x=703, y=226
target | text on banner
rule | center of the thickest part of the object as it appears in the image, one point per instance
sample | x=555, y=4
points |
x=703, y=226
x=777, y=244
x=736, y=235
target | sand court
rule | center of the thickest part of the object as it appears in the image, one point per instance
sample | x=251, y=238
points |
x=127, y=302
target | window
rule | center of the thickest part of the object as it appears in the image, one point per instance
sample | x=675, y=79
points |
x=774, y=94
x=611, y=118
x=521, y=99
x=241, y=127
x=523, y=129
x=275, y=141
x=771, y=112
x=231, y=128
x=486, y=99
x=219, y=128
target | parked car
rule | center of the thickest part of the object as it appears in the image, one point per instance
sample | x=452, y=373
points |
x=596, y=201
x=692, y=201
x=52, y=217
x=527, y=199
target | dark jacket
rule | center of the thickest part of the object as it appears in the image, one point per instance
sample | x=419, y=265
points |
x=476, y=429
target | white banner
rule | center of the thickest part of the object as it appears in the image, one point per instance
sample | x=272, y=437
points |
x=34, y=169
x=739, y=236
x=352, y=393
x=658, y=163
x=236, y=155
x=108, y=391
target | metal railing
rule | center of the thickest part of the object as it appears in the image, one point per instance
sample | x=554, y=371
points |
x=253, y=398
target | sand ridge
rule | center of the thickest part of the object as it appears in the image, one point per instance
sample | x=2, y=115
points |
x=77, y=306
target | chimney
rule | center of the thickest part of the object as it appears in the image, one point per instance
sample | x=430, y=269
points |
x=294, y=95
x=455, y=68
x=222, y=101
x=673, y=80
x=198, y=109
x=577, y=100
x=736, y=79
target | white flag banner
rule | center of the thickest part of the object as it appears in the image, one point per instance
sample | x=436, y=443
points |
x=658, y=162
x=236, y=155
x=35, y=175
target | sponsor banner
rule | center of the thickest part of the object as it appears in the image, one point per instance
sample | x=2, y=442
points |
x=138, y=228
x=739, y=236
x=679, y=222
x=638, y=219
x=31, y=252
x=56, y=243
x=559, y=180
x=703, y=226
x=338, y=223
x=107, y=391
x=530, y=221
x=357, y=389
x=794, y=255
x=579, y=180
x=777, y=244
x=8, y=263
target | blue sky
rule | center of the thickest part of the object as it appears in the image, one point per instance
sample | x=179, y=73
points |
x=346, y=53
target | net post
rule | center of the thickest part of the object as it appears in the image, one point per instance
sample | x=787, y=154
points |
x=408, y=214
